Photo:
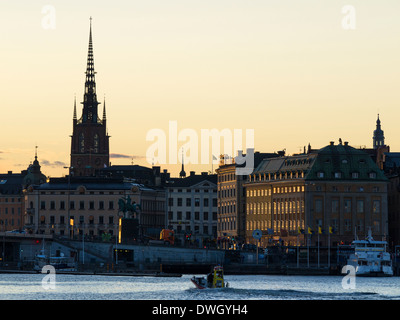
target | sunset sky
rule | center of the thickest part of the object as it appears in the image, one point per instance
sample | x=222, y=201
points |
x=285, y=68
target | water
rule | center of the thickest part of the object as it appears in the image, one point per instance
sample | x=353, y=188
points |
x=267, y=287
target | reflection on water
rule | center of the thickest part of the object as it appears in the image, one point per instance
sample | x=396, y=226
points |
x=82, y=287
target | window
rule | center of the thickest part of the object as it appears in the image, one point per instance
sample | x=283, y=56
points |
x=347, y=224
x=376, y=206
x=372, y=175
x=205, y=202
x=111, y=205
x=197, y=202
x=179, y=202
x=101, y=220
x=360, y=206
x=96, y=143
x=91, y=205
x=335, y=206
x=188, y=202
x=82, y=143
x=320, y=174
x=42, y=205
x=318, y=206
x=215, y=202
x=52, y=205
x=188, y=215
x=347, y=206
x=110, y=219
x=354, y=175
x=101, y=205
x=197, y=215
x=72, y=205
x=338, y=175
x=170, y=202
x=81, y=205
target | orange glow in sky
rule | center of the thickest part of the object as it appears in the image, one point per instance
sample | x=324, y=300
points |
x=288, y=70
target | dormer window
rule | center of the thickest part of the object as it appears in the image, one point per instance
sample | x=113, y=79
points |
x=355, y=175
x=320, y=174
x=338, y=175
x=372, y=175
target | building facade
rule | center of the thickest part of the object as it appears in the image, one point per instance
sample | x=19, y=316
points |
x=192, y=208
x=232, y=199
x=69, y=207
x=302, y=198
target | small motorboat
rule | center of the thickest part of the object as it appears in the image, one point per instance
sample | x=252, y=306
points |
x=214, y=279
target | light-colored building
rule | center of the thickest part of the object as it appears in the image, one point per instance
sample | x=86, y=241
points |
x=90, y=206
x=337, y=188
x=192, y=208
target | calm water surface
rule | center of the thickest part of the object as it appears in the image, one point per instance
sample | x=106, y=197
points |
x=82, y=287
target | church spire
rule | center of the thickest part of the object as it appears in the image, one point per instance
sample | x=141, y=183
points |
x=104, y=110
x=182, y=174
x=90, y=98
x=378, y=138
x=74, y=117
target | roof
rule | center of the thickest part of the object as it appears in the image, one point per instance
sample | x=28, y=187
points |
x=338, y=162
x=191, y=180
x=346, y=161
x=11, y=183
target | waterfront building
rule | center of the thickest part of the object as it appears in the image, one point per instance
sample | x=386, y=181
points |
x=90, y=139
x=73, y=206
x=12, y=205
x=334, y=194
x=192, y=208
x=231, y=199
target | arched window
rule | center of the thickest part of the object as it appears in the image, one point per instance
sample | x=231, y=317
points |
x=81, y=143
x=96, y=143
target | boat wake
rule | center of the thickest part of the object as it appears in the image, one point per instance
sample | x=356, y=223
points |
x=279, y=294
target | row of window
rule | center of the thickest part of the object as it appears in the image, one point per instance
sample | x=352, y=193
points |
x=17, y=199
x=80, y=220
x=195, y=190
x=10, y=210
x=81, y=205
x=339, y=175
x=173, y=216
x=9, y=222
x=347, y=206
x=294, y=225
x=188, y=202
x=283, y=207
x=207, y=230
x=275, y=190
x=276, y=176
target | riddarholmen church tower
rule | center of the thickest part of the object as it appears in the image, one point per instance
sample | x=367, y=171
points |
x=89, y=140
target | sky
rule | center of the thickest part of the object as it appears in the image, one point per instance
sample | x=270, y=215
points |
x=293, y=71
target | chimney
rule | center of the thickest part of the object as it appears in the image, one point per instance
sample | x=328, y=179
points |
x=346, y=143
x=332, y=143
x=192, y=173
x=204, y=173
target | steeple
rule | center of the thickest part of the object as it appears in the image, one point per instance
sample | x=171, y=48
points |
x=90, y=140
x=74, y=117
x=182, y=174
x=378, y=138
x=89, y=114
x=104, y=110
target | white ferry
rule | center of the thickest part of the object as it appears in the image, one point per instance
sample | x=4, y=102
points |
x=370, y=258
